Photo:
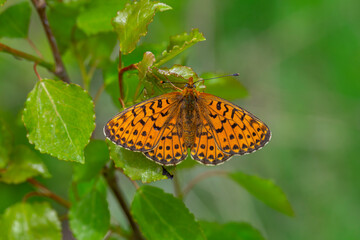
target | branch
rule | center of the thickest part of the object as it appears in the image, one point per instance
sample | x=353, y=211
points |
x=121, y=72
x=60, y=70
x=29, y=57
x=111, y=180
x=44, y=191
x=200, y=177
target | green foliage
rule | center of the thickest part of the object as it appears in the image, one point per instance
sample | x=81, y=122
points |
x=230, y=231
x=90, y=217
x=37, y=221
x=178, y=44
x=97, y=14
x=162, y=216
x=60, y=119
x=265, y=190
x=5, y=143
x=135, y=165
x=24, y=163
x=131, y=22
x=14, y=21
x=96, y=156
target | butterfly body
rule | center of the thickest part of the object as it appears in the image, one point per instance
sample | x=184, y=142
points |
x=164, y=127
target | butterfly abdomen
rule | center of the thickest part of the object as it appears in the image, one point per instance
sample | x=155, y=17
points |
x=188, y=118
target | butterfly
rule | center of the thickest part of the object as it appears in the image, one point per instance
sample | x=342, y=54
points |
x=163, y=128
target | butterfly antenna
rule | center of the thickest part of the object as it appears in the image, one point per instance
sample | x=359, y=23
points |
x=162, y=81
x=229, y=75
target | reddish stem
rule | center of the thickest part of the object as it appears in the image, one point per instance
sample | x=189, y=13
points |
x=44, y=191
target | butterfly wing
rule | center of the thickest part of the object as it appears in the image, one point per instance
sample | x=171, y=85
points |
x=140, y=127
x=235, y=130
x=205, y=150
x=171, y=149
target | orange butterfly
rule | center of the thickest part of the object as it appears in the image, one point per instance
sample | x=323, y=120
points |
x=164, y=127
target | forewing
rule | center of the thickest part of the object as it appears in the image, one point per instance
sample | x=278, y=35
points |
x=140, y=127
x=236, y=131
x=171, y=149
x=205, y=150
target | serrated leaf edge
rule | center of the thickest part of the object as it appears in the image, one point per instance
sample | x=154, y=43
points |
x=57, y=155
x=146, y=26
x=185, y=45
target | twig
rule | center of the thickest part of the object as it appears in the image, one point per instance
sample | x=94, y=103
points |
x=109, y=175
x=44, y=191
x=98, y=93
x=121, y=72
x=36, y=72
x=60, y=70
x=200, y=177
x=29, y=57
x=107, y=235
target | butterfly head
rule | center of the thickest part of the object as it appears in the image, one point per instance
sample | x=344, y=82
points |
x=190, y=84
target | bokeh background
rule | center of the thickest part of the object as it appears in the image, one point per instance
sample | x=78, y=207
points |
x=300, y=62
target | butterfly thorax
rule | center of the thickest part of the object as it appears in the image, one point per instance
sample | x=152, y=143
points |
x=189, y=116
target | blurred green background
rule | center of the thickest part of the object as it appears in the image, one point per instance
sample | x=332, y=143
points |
x=299, y=60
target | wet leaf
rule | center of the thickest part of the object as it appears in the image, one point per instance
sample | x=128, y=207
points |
x=24, y=163
x=178, y=44
x=162, y=216
x=36, y=221
x=59, y=118
x=135, y=165
x=131, y=22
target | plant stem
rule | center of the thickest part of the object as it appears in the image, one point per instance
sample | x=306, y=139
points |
x=44, y=191
x=109, y=175
x=201, y=177
x=29, y=57
x=40, y=6
x=177, y=187
x=98, y=93
x=121, y=72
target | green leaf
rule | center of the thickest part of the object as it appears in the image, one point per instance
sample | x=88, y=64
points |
x=96, y=16
x=265, y=190
x=81, y=189
x=226, y=87
x=96, y=156
x=178, y=75
x=230, y=231
x=187, y=163
x=162, y=216
x=138, y=54
x=14, y=21
x=90, y=217
x=178, y=44
x=131, y=22
x=24, y=164
x=37, y=221
x=145, y=64
x=135, y=165
x=59, y=118
x=5, y=143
